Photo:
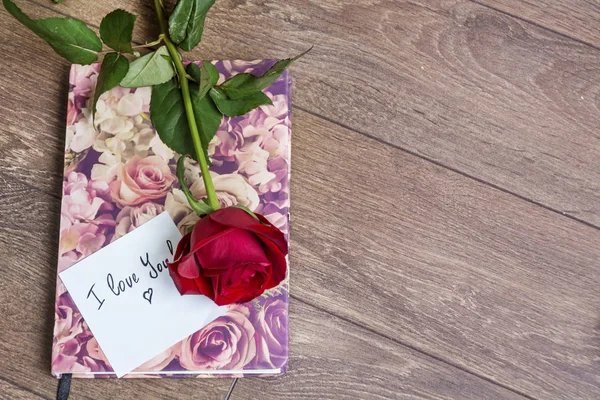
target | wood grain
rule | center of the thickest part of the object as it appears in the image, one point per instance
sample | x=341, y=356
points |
x=14, y=392
x=331, y=358
x=435, y=260
x=416, y=254
x=579, y=19
x=458, y=83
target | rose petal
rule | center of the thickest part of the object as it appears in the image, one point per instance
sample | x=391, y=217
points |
x=278, y=264
x=188, y=267
x=270, y=232
x=206, y=228
x=205, y=286
x=232, y=217
x=184, y=286
x=237, y=247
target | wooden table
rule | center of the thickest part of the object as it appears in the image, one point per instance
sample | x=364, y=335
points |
x=446, y=197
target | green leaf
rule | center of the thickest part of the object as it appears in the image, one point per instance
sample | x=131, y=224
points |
x=168, y=115
x=186, y=22
x=167, y=112
x=238, y=107
x=194, y=71
x=199, y=207
x=69, y=37
x=152, y=69
x=113, y=69
x=116, y=30
x=208, y=116
x=243, y=85
x=178, y=21
x=207, y=76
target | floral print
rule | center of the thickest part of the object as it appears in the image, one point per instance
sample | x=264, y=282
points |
x=119, y=175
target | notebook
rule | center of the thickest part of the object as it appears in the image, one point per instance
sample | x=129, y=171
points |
x=250, y=164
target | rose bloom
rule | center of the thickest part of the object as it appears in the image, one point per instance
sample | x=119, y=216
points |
x=95, y=360
x=83, y=78
x=130, y=218
x=232, y=189
x=83, y=199
x=230, y=256
x=66, y=346
x=253, y=163
x=141, y=180
x=271, y=324
x=82, y=134
x=124, y=131
x=225, y=343
x=85, y=238
x=279, y=108
x=83, y=226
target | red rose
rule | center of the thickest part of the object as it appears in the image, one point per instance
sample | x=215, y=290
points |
x=230, y=256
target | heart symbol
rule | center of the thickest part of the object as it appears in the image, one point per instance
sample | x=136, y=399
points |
x=148, y=295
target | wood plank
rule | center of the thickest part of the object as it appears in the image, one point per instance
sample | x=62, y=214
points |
x=331, y=358
x=579, y=19
x=34, y=92
x=14, y=392
x=458, y=83
x=427, y=257
x=469, y=274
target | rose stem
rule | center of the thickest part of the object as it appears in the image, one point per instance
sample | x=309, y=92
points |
x=189, y=110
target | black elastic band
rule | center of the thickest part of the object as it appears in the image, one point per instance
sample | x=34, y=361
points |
x=64, y=387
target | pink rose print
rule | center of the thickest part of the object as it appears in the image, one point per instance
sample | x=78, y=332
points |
x=68, y=321
x=83, y=78
x=95, y=360
x=271, y=324
x=120, y=175
x=130, y=218
x=85, y=238
x=82, y=199
x=158, y=362
x=81, y=135
x=275, y=215
x=141, y=180
x=279, y=109
x=70, y=332
x=82, y=230
x=226, y=343
x=94, y=351
x=72, y=112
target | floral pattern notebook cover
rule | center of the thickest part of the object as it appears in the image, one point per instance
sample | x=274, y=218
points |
x=121, y=175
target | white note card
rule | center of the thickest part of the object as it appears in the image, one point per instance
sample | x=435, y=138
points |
x=129, y=301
